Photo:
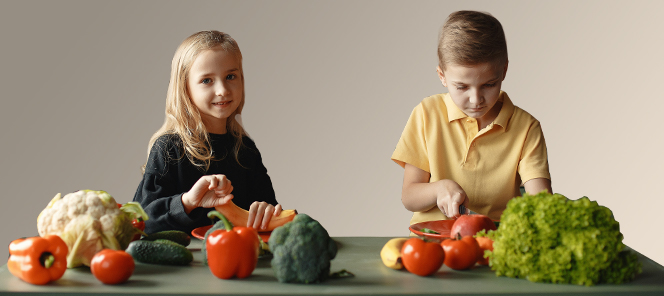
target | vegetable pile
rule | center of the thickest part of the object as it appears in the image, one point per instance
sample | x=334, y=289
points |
x=549, y=238
x=302, y=251
x=89, y=221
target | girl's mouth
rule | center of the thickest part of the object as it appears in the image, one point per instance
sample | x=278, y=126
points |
x=222, y=104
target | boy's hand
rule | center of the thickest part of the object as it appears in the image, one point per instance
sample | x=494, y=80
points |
x=208, y=192
x=449, y=197
x=260, y=214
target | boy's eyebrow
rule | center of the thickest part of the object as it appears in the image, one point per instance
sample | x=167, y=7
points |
x=489, y=81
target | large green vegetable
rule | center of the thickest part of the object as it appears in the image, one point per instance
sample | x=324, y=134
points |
x=302, y=251
x=89, y=221
x=549, y=238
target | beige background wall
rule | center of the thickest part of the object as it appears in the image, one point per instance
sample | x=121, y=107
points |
x=329, y=87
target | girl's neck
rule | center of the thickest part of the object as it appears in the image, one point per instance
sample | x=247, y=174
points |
x=215, y=126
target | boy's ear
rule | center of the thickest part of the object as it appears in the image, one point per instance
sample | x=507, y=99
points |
x=505, y=70
x=441, y=76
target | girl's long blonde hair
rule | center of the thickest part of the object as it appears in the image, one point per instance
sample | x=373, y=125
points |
x=182, y=117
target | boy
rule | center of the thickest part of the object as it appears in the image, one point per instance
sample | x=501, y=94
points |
x=470, y=146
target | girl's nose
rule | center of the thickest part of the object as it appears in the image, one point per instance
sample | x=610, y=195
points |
x=222, y=90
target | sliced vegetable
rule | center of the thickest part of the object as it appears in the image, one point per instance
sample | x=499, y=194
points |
x=239, y=216
x=38, y=260
x=112, y=267
x=422, y=258
x=233, y=251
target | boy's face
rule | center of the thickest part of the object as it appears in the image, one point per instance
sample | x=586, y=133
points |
x=474, y=89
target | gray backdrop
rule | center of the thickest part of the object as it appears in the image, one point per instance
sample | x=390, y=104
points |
x=329, y=87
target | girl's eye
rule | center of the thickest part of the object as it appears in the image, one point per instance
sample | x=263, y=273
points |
x=206, y=81
x=231, y=77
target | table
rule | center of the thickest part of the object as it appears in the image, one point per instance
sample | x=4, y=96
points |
x=359, y=255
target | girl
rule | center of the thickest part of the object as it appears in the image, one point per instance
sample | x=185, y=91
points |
x=201, y=147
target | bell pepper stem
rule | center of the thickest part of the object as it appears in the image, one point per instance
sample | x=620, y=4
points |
x=215, y=214
x=47, y=259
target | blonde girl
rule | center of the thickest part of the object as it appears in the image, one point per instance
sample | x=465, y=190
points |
x=201, y=146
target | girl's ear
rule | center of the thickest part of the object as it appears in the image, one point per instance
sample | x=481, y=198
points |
x=441, y=76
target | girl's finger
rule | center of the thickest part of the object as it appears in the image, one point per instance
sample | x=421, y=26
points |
x=253, y=208
x=269, y=210
x=213, y=183
x=277, y=210
x=260, y=212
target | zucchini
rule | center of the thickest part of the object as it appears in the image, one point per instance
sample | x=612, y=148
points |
x=155, y=252
x=177, y=236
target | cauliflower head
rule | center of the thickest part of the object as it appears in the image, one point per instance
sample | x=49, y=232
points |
x=89, y=221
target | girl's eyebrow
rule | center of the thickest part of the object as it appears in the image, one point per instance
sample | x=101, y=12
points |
x=211, y=74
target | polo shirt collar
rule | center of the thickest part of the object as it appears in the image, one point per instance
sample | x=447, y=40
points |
x=506, y=111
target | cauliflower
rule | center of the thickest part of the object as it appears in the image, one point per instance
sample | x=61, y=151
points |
x=89, y=221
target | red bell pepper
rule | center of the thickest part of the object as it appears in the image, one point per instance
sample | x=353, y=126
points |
x=232, y=252
x=38, y=260
x=138, y=223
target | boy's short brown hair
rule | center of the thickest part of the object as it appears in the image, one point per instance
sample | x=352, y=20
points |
x=471, y=38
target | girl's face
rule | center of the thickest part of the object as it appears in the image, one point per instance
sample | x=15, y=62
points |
x=215, y=86
x=474, y=89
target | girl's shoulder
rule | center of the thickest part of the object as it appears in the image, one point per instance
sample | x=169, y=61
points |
x=167, y=143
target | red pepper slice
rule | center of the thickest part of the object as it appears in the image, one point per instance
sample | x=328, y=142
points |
x=38, y=260
x=232, y=252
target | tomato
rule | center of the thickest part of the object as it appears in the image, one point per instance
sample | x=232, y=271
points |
x=484, y=243
x=461, y=253
x=420, y=257
x=112, y=266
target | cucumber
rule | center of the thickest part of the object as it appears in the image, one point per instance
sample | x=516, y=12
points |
x=177, y=236
x=154, y=252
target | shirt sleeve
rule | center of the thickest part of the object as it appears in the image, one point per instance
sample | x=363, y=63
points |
x=158, y=192
x=534, y=160
x=412, y=147
x=261, y=188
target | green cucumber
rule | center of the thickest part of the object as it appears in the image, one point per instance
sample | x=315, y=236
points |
x=156, y=252
x=177, y=236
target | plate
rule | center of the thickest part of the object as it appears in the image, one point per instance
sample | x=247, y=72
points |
x=199, y=233
x=443, y=227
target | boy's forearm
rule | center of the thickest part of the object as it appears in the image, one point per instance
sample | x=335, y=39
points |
x=419, y=197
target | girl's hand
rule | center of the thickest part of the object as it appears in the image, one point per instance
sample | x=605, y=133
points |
x=208, y=192
x=260, y=214
x=449, y=197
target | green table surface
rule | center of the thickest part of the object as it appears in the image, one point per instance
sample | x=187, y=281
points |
x=360, y=255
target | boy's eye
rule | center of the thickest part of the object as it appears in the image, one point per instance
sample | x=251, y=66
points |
x=490, y=85
x=460, y=87
x=206, y=80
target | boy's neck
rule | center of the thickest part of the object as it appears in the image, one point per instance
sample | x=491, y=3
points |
x=487, y=119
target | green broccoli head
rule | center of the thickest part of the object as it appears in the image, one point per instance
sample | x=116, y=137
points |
x=549, y=238
x=302, y=250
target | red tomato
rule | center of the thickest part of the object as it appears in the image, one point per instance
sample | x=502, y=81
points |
x=461, y=253
x=484, y=243
x=420, y=257
x=112, y=266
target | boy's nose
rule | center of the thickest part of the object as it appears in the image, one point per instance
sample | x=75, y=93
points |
x=476, y=98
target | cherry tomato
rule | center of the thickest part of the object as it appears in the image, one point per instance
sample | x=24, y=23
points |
x=112, y=266
x=420, y=257
x=484, y=243
x=461, y=253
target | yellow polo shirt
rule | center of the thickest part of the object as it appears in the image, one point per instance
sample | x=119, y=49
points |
x=489, y=164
